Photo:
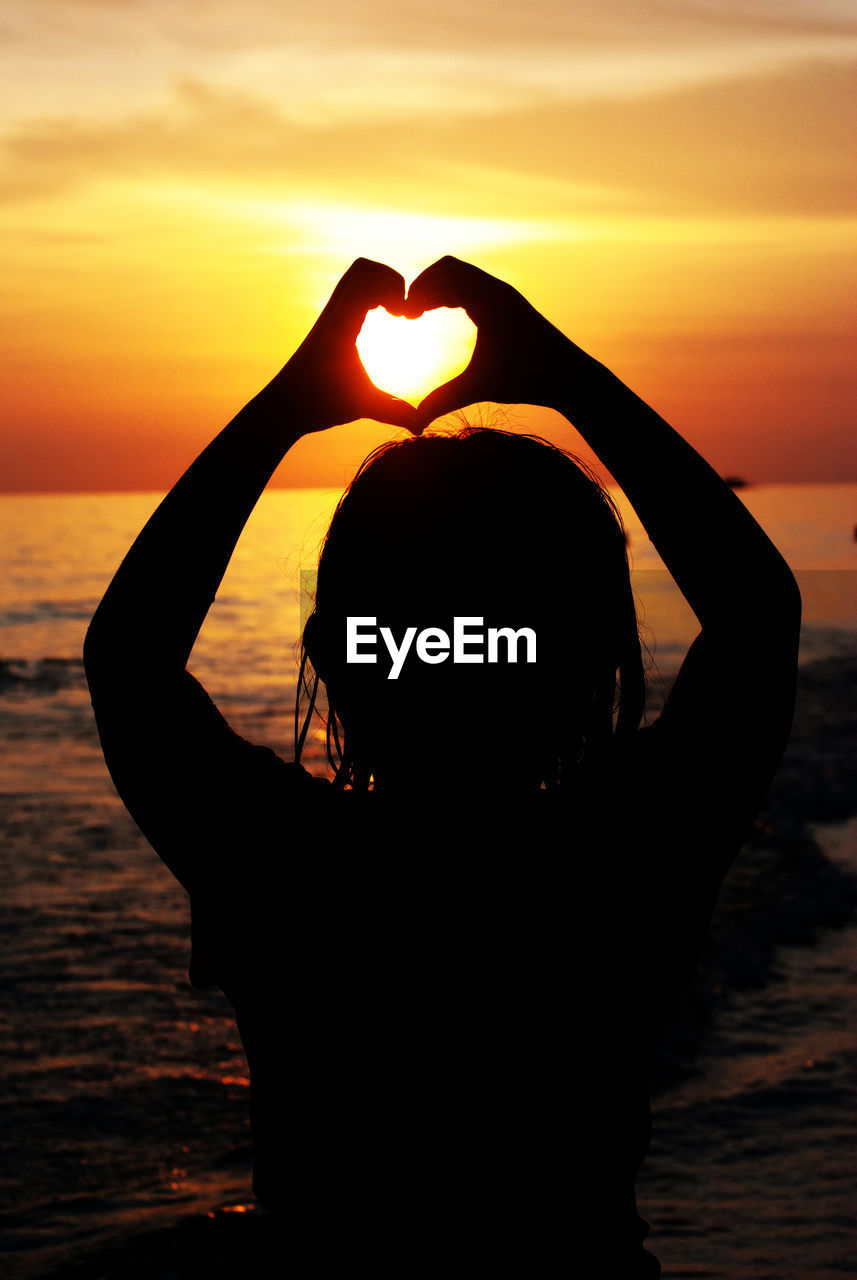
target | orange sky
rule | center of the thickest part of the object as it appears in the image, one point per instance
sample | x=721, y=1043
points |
x=182, y=185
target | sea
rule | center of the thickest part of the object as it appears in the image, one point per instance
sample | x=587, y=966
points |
x=123, y=1099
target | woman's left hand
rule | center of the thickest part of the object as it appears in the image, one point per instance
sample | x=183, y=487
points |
x=325, y=382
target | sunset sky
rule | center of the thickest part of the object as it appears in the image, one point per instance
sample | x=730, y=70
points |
x=672, y=184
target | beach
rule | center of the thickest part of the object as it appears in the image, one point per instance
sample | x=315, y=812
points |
x=126, y=1135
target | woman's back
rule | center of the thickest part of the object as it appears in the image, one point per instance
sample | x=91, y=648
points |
x=451, y=1007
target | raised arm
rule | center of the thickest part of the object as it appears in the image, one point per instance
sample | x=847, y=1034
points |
x=153, y=718
x=736, y=688
x=153, y=609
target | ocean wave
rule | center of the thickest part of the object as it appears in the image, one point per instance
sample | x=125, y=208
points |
x=782, y=889
x=40, y=610
x=40, y=675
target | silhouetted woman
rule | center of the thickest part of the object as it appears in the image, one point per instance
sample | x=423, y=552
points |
x=450, y=966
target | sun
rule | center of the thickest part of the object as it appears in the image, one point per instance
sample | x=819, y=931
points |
x=410, y=357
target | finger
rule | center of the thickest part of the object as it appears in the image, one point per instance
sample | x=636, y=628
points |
x=453, y=395
x=449, y=282
x=383, y=407
x=443, y=284
x=365, y=285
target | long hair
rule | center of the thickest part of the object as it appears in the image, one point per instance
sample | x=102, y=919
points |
x=484, y=521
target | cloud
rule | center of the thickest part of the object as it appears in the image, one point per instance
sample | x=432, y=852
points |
x=338, y=61
x=434, y=25
x=771, y=145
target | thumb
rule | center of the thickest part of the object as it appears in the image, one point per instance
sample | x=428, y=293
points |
x=454, y=394
x=386, y=408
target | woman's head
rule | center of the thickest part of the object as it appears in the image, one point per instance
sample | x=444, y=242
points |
x=487, y=525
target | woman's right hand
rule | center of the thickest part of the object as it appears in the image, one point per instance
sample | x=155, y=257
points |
x=519, y=357
x=325, y=384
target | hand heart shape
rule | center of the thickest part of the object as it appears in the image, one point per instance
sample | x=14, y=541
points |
x=409, y=358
